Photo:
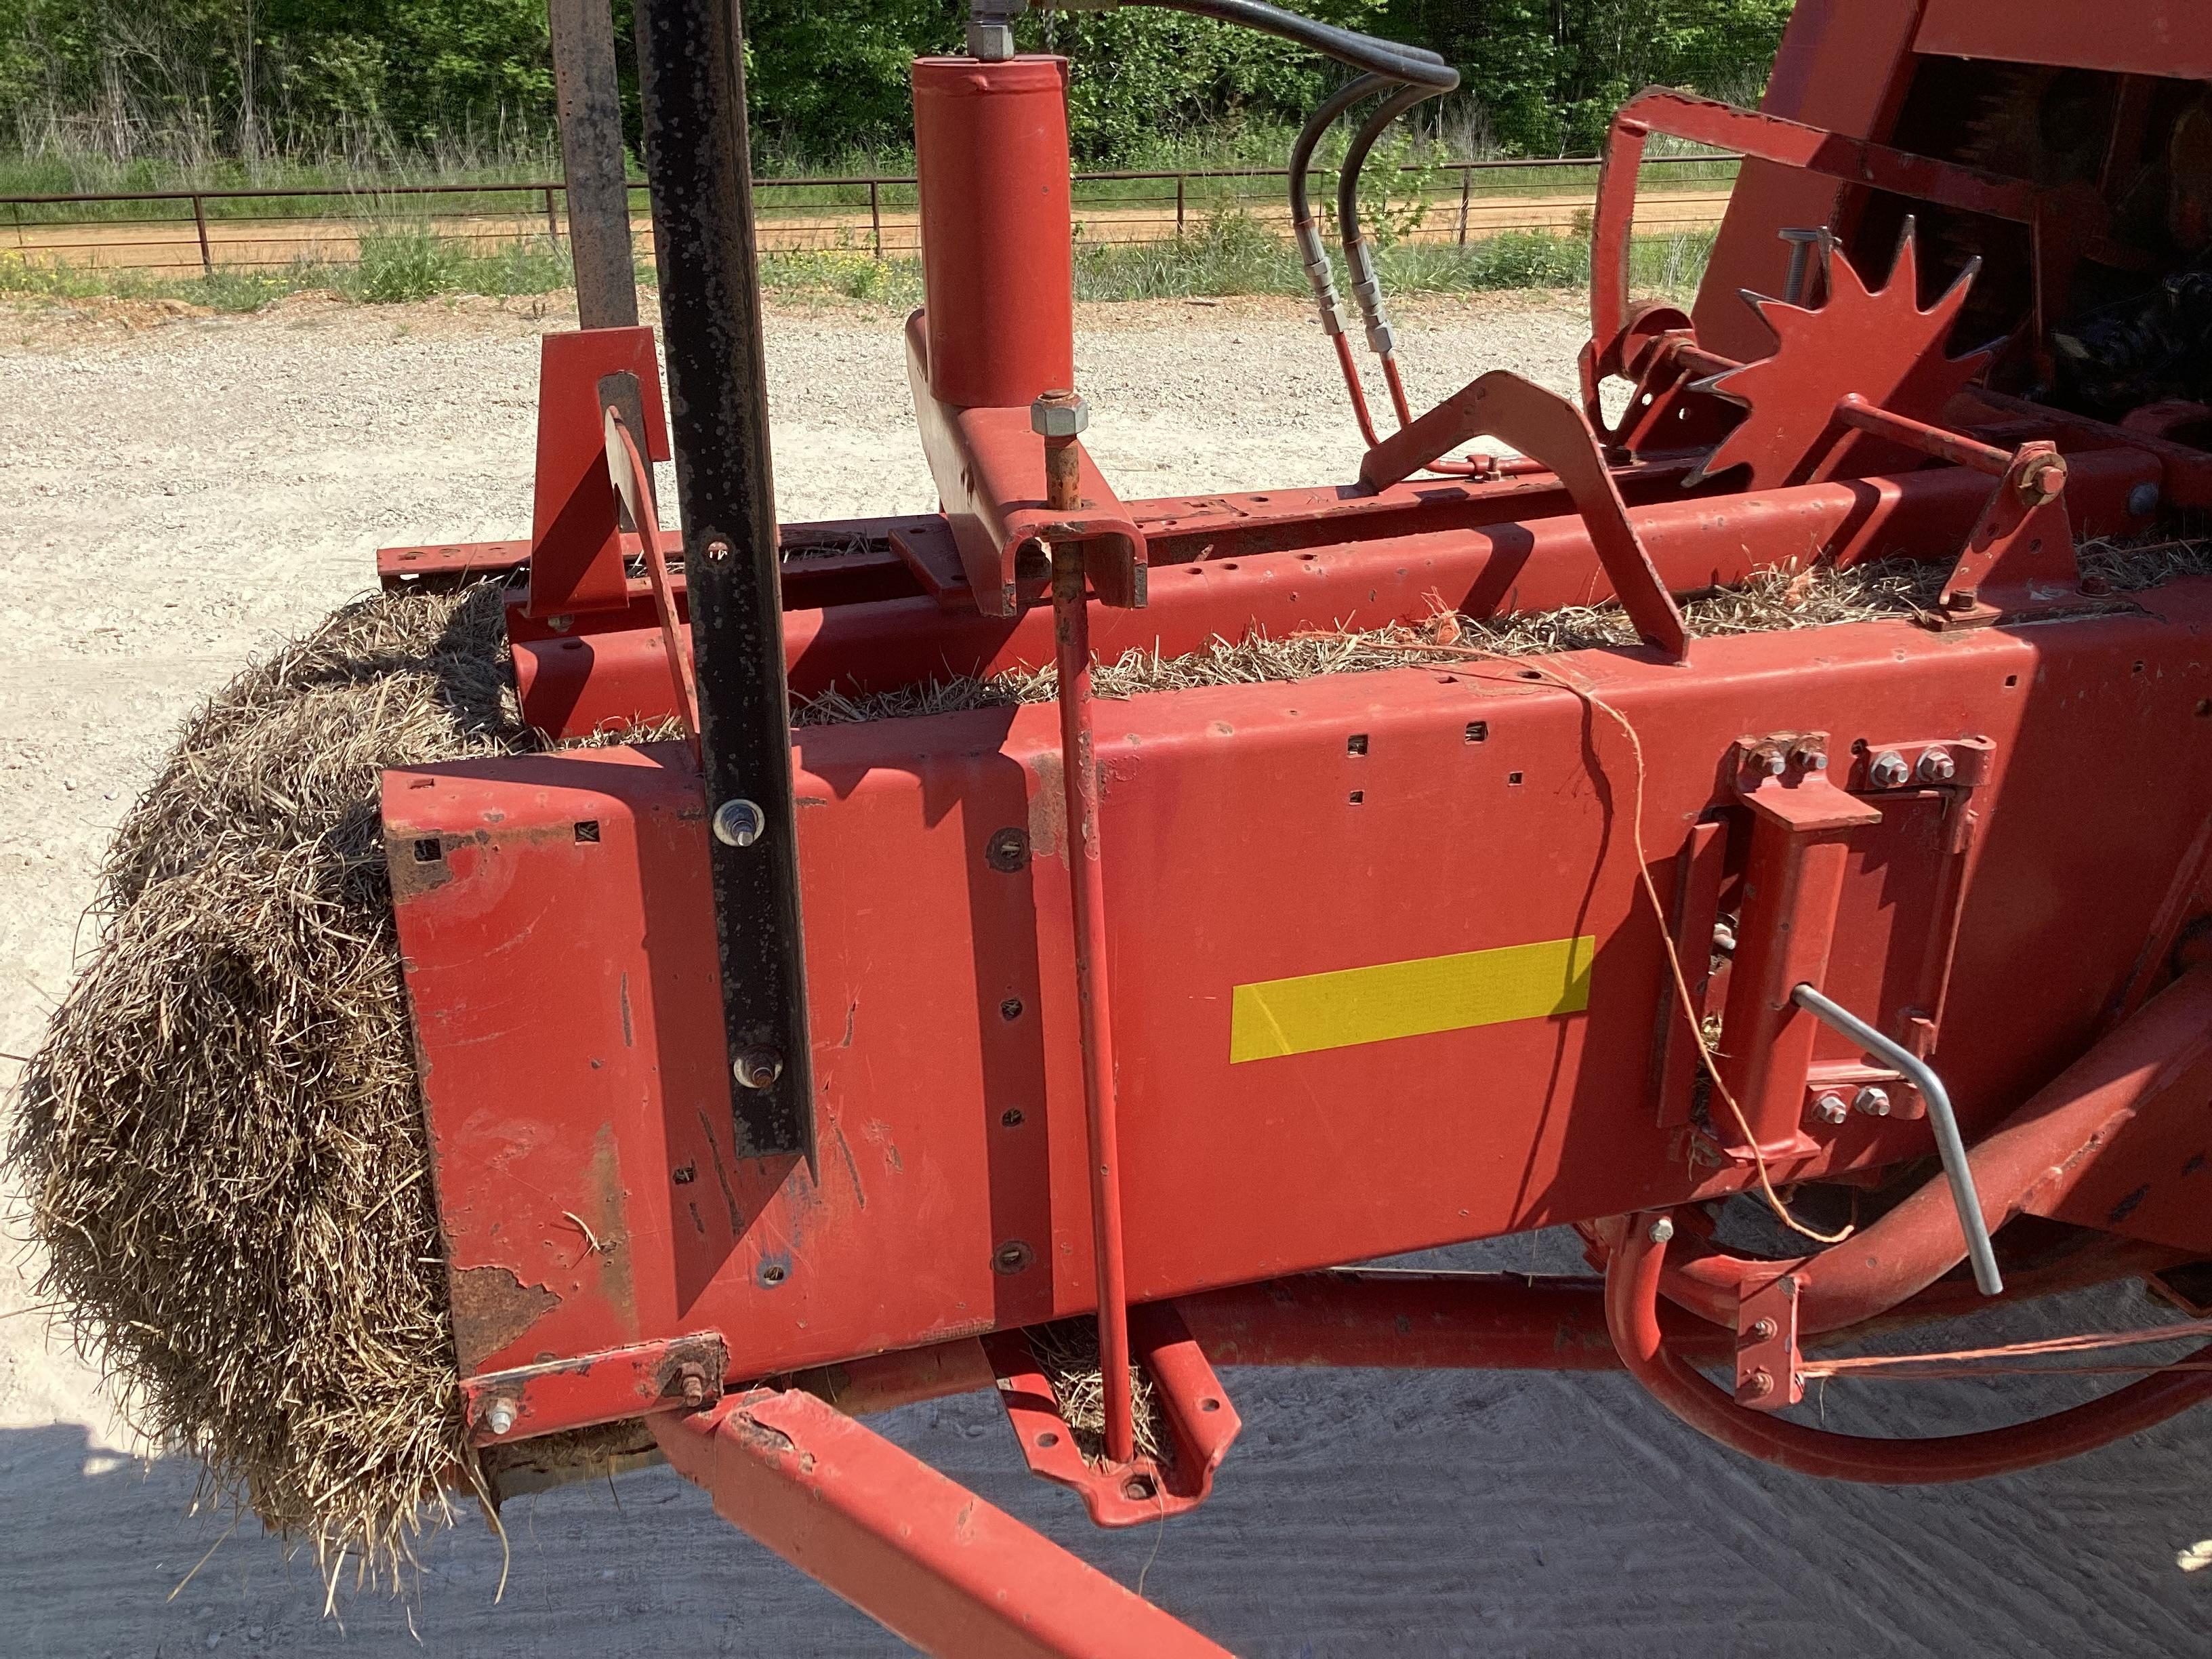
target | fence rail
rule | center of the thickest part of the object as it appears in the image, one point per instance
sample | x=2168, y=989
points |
x=871, y=215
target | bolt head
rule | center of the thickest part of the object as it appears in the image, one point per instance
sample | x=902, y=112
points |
x=499, y=1417
x=1888, y=769
x=1762, y=1330
x=1936, y=766
x=990, y=43
x=1059, y=415
x=1810, y=757
x=1872, y=1100
x=2143, y=501
x=739, y=824
x=1662, y=1230
x=1831, y=1108
x=1759, y=1384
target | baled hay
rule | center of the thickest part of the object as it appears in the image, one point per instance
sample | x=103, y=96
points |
x=220, y=1139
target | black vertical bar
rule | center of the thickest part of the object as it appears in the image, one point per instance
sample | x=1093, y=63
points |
x=692, y=89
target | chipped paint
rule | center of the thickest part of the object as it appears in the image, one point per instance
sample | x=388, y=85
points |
x=492, y=1309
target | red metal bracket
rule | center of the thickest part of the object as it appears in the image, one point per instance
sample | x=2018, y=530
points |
x=989, y=468
x=576, y=538
x=2018, y=559
x=1549, y=429
x=1201, y=1422
x=1793, y=883
x=687, y=1371
x=1767, y=1376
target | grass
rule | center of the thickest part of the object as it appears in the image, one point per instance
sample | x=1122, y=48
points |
x=1227, y=253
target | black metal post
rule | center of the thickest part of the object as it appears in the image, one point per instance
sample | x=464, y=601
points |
x=691, y=86
x=597, y=190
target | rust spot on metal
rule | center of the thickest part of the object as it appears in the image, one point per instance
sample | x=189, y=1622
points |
x=492, y=1308
x=613, y=1252
x=1047, y=809
x=722, y=1178
x=2126, y=1207
x=630, y=1035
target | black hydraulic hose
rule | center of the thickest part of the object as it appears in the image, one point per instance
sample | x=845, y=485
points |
x=1413, y=65
x=1355, y=159
x=1302, y=153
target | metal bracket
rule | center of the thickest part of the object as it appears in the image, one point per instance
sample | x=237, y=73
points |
x=1550, y=429
x=989, y=471
x=682, y=1374
x=576, y=538
x=1793, y=881
x=1200, y=1423
x=1766, y=1374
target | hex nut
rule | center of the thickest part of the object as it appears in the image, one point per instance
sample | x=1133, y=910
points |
x=1830, y=1109
x=1872, y=1100
x=1662, y=1230
x=1936, y=766
x=499, y=1416
x=1888, y=769
x=1058, y=415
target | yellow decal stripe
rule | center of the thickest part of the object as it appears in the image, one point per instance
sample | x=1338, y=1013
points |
x=1314, y=1012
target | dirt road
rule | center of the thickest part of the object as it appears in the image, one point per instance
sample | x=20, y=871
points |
x=178, y=494
x=175, y=242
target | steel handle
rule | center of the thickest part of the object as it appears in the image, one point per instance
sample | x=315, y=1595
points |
x=1949, y=1145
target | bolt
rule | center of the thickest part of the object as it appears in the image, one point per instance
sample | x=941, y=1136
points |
x=1767, y=758
x=1724, y=939
x=1888, y=769
x=2143, y=501
x=1810, y=756
x=2041, y=484
x=757, y=1068
x=1662, y=1230
x=560, y=624
x=718, y=551
x=1760, y=1384
x=1058, y=416
x=1762, y=1330
x=691, y=1384
x=1874, y=1102
x=499, y=1416
x=1964, y=600
x=739, y=823
x=1803, y=240
x=1830, y=1109
x=1936, y=766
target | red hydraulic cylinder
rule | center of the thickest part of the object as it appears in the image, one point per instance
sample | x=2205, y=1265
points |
x=998, y=261
x=917, y=1552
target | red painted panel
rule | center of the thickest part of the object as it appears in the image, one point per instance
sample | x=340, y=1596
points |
x=565, y=1005
x=2144, y=37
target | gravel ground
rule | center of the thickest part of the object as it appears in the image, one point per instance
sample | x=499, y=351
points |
x=181, y=490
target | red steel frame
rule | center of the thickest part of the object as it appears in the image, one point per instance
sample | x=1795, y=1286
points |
x=1279, y=878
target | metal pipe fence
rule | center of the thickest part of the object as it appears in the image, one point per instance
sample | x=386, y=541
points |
x=869, y=215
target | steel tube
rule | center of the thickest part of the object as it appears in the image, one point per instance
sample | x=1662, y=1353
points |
x=1949, y=1145
x=1633, y=1280
x=1071, y=618
x=919, y=1553
x=1854, y=411
x=2029, y=1162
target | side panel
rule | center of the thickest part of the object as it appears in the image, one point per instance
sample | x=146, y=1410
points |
x=562, y=977
x=2145, y=37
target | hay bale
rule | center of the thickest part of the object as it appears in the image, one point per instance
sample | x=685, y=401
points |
x=220, y=1139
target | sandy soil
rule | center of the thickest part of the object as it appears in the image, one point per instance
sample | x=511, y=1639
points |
x=180, y=491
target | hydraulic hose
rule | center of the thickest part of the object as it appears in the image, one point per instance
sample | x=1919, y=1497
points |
x=1363, y=52
x=1321, y=270
x=1631, y=1313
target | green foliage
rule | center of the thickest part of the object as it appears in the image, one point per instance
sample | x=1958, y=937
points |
x=406, y=262
x=1545, y=75
x=202, y=82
